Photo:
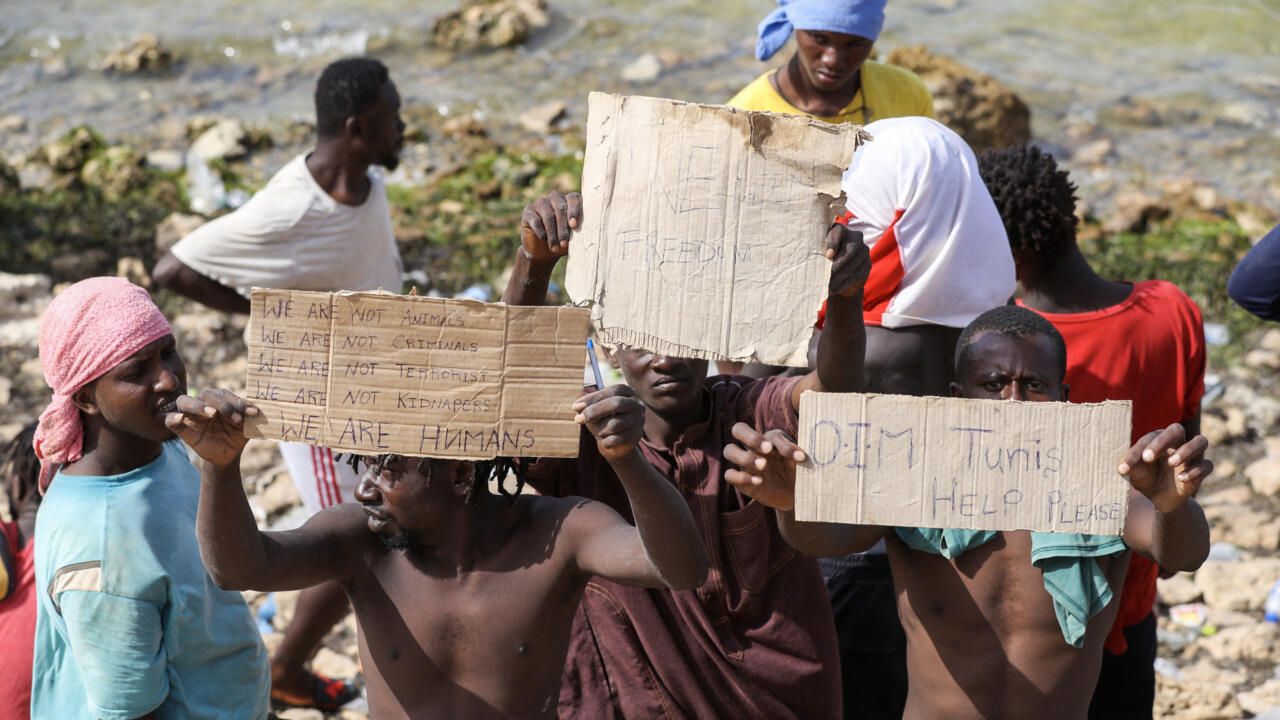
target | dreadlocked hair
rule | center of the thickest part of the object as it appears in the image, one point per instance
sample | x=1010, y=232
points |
x=1036, y=200
x=497, y=469
x=20, y=468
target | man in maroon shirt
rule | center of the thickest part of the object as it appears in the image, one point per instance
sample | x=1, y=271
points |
x=757, y=639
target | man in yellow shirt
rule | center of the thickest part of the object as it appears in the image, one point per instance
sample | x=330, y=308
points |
x=829, y=76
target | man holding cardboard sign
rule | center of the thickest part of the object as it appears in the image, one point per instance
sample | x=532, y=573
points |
x=464, y=599
x=757, y=639
x=1042, y=602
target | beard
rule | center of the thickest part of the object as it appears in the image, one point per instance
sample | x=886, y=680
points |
x=390, y=161
x=399, y=541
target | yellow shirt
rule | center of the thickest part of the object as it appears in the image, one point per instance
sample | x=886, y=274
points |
x=887, y=91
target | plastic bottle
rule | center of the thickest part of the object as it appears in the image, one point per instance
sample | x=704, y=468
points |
x=1273, y=604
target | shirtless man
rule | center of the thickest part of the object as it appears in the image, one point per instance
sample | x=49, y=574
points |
x=464, y=599
x=983, y=640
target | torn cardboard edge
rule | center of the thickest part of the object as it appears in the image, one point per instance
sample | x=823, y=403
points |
x=376, y=372
x=706, y=166
x=900, y=461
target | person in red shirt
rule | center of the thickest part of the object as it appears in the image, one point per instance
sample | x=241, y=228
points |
x=20, y=471
x=1138, y=341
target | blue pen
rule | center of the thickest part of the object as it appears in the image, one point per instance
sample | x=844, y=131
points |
x=595, y=364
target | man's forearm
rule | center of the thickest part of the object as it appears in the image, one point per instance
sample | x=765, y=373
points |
x=820, y=539
x=529, y=281
x=1180, y=539
x=175, y=275
x=230, y=542
x=842, y=348
x=666, y=527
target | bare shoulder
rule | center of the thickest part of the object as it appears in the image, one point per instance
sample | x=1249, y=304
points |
x=571, y=514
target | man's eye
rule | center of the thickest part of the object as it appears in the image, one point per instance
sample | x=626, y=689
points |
x=992, y=385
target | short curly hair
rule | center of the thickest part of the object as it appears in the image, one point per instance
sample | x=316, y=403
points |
x=1036, y=200
x=346, y=88
x=1010, y=321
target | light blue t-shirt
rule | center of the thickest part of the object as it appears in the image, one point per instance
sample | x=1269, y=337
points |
x=129, y=621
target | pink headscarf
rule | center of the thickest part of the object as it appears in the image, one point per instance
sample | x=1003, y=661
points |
x=88, y=329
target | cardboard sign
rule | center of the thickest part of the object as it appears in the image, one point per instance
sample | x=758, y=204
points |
x=377, y=373
x=934, y=462
x=703, y=227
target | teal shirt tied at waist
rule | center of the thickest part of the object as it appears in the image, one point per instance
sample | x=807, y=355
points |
x=1069, y=562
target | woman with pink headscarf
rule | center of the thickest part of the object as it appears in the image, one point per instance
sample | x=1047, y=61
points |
x=129, y=623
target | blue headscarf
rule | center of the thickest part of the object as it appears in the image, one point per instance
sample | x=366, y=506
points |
x=864, y=18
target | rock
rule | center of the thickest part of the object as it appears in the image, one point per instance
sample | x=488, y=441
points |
x=19, y=292
x=1264, y=412
x=331, y=664
x=23, y=333
x=70, y=152
x=451, y=207
x=133, y=270
x=1206, y=671
x=115, y=172
x=280, y=495
x=300, y=714
x=174, y=228
x=1256, y=643
x=1093, y=153
x=1264, y=476
x=55, y=68
x=1241, y=585
x=1131, y=111
x=77, y=266
x=1238, y=495
x=1260, y=359
x=12, y=124
x=1178, y=590
x=144, y=54
x=225, y=140
x=1133, y=211
x=1262, y=698
x=35, y=176
x=643, y=69
x=1270, y=341
x=985, y=112
x=166, y=160
x=6, y=390
x=1252, y=223
x=480, y=24
x=543, y=118
x=1249, y=529
x=1194, y=700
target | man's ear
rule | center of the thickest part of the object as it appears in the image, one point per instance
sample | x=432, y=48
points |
x=612, y=358
x=86, y=400
x=955, y=389
x=353, y=127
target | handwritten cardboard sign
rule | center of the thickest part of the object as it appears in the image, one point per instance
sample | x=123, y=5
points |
x=703, y=227
x=936, y=462
x=379, y=373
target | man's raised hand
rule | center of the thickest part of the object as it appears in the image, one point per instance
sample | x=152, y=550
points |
x=615, y=416
x=547, y=225
x=212, y=425
x=765, y=466
x=850, y=260
x=1166, y=467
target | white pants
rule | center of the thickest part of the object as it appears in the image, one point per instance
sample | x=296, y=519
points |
x=321, y=481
